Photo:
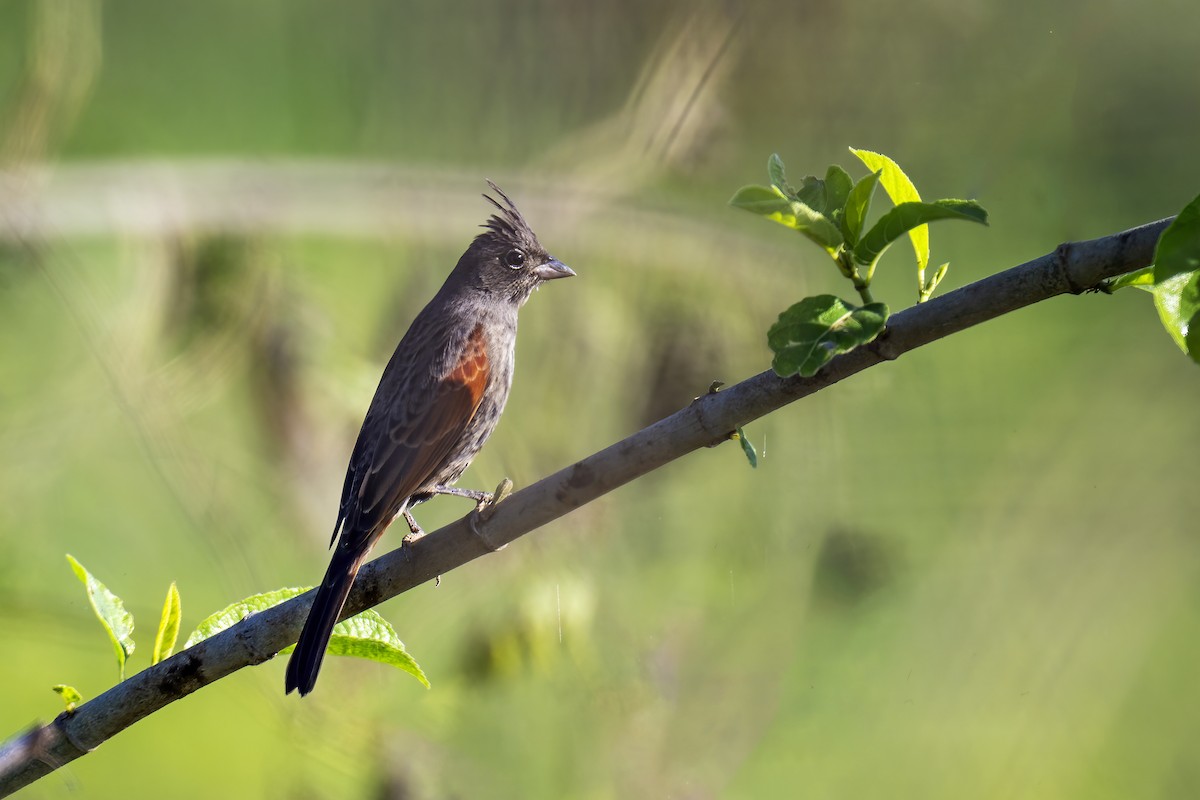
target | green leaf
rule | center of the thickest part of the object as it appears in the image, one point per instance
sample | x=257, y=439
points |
x=776, y=174
x=761, y=200
x=368, y=635
x=1142, y=279
x=1178, y=302
x=747, y=448
x=70, y=695
x=236, y=612
x=1177, y=279
x=901, y=190
x=858, y=203
x=1178, y=249
x=925, y=291
x=1192, y=338
x=117, y=622
x=769, y=202
x=365, y=635
x=168, y=626
x=895, y=182
x=906, y=216
x=812, y=194
x=816, y=329
x=838, y=185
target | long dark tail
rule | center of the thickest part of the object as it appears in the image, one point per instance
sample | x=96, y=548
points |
x=305, y=663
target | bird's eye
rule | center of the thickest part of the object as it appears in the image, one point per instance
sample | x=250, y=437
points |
x=514, y=259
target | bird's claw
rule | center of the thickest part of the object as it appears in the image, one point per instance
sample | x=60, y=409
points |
x=414, y=535
x=414, y=529
x=488, y=505
x=484, y=511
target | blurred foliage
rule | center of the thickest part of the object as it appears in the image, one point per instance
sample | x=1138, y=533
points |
x=851, y=566
x=950, y=576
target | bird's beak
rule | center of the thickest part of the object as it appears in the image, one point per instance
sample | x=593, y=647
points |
x=553, y=269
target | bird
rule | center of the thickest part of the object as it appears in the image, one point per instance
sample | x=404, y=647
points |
x=438, y=401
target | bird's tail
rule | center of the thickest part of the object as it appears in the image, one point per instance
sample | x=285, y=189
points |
x=305, y=663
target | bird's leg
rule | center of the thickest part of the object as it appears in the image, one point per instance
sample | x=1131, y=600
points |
x=485, y=506
x=415, y=531
x=485, y=502
x=480, y=498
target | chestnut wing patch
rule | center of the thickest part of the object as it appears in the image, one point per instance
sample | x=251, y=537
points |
x=421, y=436
x=473, y=369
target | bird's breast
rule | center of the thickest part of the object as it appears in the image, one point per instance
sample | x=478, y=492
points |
x=473, y=369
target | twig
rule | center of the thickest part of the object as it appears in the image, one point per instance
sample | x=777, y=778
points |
x=709, y=420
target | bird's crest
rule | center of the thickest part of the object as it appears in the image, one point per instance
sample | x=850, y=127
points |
x=508, y=224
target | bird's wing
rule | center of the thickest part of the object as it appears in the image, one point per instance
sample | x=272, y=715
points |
x=402, y=449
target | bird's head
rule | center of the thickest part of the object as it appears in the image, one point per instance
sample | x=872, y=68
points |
x=507, y=259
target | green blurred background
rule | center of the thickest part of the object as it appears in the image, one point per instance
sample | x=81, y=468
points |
x=970, y=573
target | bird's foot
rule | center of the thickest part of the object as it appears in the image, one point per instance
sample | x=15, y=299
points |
x=415, y=533
x=488, y=504
x=485, y=508
x=414, y=529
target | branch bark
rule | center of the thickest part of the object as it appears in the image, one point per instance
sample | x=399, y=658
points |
x=1071, y=268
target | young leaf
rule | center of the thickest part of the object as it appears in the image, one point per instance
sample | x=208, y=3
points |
x=776, y=174
x=895, y=182
x=70, y=695
x=858, y=203
x=368, y=635
x=747, y=448
x=1178, y=249
x=771, y=203
x=906, y=216
x=365, y=635
x=168, y=626
x=1177, y=279
x=926, y=290
x=838, y=186
x=1142, y=279
x=117, y=622
x=236, y=612
x=1178, y=302
x=812, y=194
x=761, y=200
x=901, y=190
x=816, y=329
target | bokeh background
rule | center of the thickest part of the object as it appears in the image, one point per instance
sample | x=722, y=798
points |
x=974, y=572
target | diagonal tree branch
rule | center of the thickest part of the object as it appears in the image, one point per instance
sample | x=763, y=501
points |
x=1072, y=268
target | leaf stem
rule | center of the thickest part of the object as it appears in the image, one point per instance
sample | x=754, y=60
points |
x=846, y=265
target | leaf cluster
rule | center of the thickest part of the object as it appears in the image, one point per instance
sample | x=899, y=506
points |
x=832, y=212
x=366, y=635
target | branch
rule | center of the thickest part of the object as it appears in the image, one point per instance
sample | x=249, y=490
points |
x=708, y=421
